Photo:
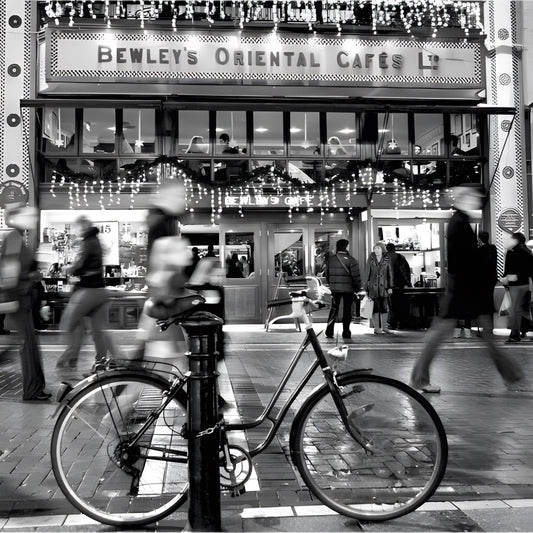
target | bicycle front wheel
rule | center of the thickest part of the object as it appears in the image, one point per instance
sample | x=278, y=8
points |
x=407, y=442
x=106, y=466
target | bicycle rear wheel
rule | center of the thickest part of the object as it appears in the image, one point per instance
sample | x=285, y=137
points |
x=409, y=444
x=101, y=467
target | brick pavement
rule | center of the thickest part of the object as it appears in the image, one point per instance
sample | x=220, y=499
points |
x=490, y=432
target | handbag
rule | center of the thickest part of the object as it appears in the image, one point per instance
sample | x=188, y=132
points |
x=367, y=307
x=505, y=307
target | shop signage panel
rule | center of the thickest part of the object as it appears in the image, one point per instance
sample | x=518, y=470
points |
x=252, y=58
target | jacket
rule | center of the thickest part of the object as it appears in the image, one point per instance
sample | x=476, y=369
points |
x=379, y=278
x=519, y=261
x=88, y=264
x=461, y=299
x=401, y=272
x=338, y=278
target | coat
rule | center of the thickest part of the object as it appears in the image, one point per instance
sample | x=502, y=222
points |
x=461, y=299
x=337, y=276
x=88, y=264
x=519, y=261
x=379, y=277
x=487, y=277
x=401, y=272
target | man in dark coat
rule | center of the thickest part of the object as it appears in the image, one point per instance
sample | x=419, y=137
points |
x=487, y=275
x=461, y=298
x=344, y=278
x=401, y=276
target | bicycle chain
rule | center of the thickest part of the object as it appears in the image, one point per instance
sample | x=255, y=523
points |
x=209, y=431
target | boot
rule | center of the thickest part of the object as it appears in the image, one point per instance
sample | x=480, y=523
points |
x=457, y=333
x=385, y=322
x=468, y=333
x=377, y=325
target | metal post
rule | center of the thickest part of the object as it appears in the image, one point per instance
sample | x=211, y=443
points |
x=204, y=433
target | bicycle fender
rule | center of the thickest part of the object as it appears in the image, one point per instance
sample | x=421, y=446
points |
x=317, y=391
x=66, y=392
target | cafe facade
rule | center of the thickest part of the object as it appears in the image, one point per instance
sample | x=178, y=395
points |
x=292, y=125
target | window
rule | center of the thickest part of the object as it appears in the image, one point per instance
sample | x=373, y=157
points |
x=193, y=132
x=230, y=132
x=240, y=255
x=341, y=135
x=305, y=134
x=464, y=138
x=429, y=135
x=99, y=128
x=289, y=255
x=138, y=128
x=394, y=130
x=59, y=131
x=268, y=134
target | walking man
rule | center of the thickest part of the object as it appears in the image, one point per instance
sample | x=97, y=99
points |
x=461, y=299
x=344, y=279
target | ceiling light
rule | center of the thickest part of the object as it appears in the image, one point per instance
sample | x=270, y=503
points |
x=261, y=130
x=381, y=130
x=295, y=130
x=346, y=131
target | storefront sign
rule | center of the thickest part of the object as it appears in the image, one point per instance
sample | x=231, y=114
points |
x=12, y=192
x=510, y=220
x=260, y=59
x=249, y=200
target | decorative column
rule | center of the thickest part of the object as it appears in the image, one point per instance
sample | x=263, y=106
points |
x=18, y=69
x=508, y=192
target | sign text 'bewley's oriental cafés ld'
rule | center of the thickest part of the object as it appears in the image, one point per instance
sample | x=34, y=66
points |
x=260, y=58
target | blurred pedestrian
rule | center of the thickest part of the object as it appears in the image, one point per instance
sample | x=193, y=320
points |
x=516, y=276
x=401, y=277
x=344, y=280
x=89, y=299
x=33, y=381
x=379, y=285
x=194, y=261
x=235, y=267
x=461, y=300
x=3, y=330
x=487, y=277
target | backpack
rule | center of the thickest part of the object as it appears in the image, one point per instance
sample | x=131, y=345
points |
x=10, y=248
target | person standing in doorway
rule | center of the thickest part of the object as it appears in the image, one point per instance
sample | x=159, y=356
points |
x=344, y=279
x=487, y=264
x=517, y=274
x=461, y=299
x=210, y=251
x=401, y=276
x=379, y=287
x=89, y=298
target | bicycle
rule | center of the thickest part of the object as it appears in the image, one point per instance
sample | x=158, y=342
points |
x=367, y=446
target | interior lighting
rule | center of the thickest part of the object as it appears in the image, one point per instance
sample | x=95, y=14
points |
x=261, y=130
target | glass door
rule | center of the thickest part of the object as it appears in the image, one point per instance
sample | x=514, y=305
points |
x=240, y=258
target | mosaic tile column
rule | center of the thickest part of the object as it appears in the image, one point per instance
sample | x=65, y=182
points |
x=506, y=137
x=18, y=71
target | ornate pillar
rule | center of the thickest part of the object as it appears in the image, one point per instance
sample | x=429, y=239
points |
x=18, y=70
x=508, y=192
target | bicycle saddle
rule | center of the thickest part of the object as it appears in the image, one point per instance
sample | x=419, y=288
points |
x=174, y=306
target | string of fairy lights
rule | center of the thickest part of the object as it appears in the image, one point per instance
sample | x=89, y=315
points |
x=264, y=187
x=410, y=14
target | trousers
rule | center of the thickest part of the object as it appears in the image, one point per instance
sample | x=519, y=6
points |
x=33, y=381
x=347, y=300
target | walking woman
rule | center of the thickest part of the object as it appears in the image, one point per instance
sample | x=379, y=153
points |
x=379, y=287
x=518, y=271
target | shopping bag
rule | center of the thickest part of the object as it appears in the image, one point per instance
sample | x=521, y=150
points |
x=367, y=307
x=505, y=307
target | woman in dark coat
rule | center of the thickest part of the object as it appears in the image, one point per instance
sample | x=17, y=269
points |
x=487, y=277
x=379, y=287
x=516, y=276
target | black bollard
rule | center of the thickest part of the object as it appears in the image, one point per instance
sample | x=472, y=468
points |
x=204, y=432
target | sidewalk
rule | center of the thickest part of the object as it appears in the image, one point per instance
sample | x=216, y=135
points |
x=488, y=485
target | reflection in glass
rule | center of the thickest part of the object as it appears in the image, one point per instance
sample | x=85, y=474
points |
x=429, y=135
x=464, y=139
x=193, y=132
x=308, y=171
x=59, y=130
x=305, y=134
x=98, y=130
x=324, y=246
x=341, y=135
x=464, y=172
x=229, y=170
x=138, y=128
x=394, y=132
x=268, y=134
x=230, y=132
x=427, y=173
x=240, y=255
x=289, y=253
